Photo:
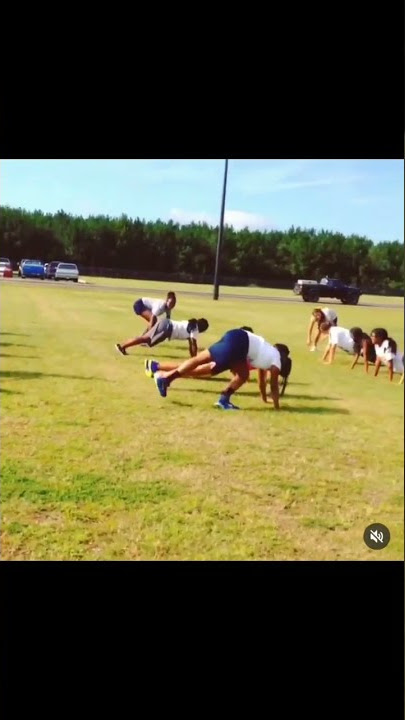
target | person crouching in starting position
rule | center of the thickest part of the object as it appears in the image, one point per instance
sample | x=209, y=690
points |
x=234, y=351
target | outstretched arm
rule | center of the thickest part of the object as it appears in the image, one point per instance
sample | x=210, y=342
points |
x=354, y=363
x=261, y=379
x=274, y=387
x=327, y=352
x=377, y=366
x=152, y=321
x=310, y=328
x=365, y=354
x=192, y=346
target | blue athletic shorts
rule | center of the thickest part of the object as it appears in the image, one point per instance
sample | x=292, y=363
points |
x=231, y=349
x=139, y=307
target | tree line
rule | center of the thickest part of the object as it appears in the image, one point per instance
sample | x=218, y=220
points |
x=167, y=248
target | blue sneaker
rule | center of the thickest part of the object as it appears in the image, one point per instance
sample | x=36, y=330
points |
x=225, y=404
x=151, y=367
x=161, y=384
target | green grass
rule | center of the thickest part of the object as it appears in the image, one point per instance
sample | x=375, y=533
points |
x=95, y=465
x=146, y=285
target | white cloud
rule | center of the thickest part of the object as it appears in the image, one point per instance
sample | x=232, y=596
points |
x=240, y=219
x=294, y=175
x=185, y=217
x=237, y=218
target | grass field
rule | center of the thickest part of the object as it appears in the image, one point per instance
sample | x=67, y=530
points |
x=95, y=465
x=224, y=290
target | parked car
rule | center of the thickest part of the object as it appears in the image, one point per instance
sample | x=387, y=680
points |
x=32, y=269
x=311, y=290
x=20, y=264
x=24, y=260
x=5, y=270
x=67, y=271
x=51, y=269
x=6, y=261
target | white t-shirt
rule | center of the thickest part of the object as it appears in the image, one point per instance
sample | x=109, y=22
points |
x=341, y=337
x=180, y=331
x=384, y=352
x=330, y=315
x=261, y=354
x=157, y=307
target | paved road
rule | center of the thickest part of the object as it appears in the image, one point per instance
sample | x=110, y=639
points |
x=88, y=287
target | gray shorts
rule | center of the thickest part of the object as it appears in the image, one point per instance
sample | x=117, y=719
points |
x=162, y=330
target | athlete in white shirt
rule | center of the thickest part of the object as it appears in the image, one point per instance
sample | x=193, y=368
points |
x=317, y=318
x=151, y=308
x=339, y=337
x=166, y=329
x=233, y=352
x=387, y=354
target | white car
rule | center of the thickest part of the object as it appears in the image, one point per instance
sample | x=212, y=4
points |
x=67, y=271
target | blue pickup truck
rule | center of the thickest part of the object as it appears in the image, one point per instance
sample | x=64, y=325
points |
x=32, y=269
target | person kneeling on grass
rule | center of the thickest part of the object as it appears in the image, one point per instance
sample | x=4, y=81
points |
x=151, y=308
x=233, y=352
x=339, y=337
x=362, y=347
x=166, y=329
x=387, y=354
x=318, y=317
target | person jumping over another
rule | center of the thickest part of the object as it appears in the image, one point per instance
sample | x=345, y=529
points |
x=232, y=352
x=387, y=354
x=362, y=347
x=338, y=337
x=317, y=318
x=166, y=329
x=151, y=308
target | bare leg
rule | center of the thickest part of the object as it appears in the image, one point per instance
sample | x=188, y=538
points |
x=165, y=369
x=240, y=376
x=189, y=365
x=142, y=340
x=146, y=314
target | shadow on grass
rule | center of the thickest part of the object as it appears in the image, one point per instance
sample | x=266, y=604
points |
x=2, y=332
x=310, y=409
x=26, y=375
x=149, y=354
x=12, y=344
x=255, y=393
x=23, y=357
x=9, y=392
x=181, y=404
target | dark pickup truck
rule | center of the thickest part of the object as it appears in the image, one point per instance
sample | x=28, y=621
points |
x=311, y=291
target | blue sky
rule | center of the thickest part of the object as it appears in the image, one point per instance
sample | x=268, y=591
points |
x=365, y=197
